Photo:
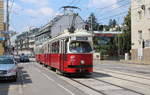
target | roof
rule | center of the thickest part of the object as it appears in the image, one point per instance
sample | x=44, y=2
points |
x=108, y=32
x=66, y=33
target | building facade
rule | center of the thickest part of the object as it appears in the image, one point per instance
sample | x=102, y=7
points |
x=58, y=25
x=140, y=17
x=2, y=38
x=25, y=42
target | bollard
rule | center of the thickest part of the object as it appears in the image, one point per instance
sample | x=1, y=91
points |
x=126, y=56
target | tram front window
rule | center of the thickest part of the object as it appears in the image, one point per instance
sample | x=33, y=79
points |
x=80, y=47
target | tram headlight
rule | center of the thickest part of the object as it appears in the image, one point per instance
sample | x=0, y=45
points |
x=82, y=62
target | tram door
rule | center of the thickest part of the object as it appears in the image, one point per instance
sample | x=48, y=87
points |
x=62, y=54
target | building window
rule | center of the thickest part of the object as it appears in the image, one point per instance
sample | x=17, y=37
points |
x=140, y=36
x=148, y=12
x=149, y=33
x=139, y=15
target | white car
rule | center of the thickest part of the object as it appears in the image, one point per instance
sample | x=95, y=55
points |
x=8, y=68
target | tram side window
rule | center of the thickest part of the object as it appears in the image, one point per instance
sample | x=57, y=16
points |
x=55, y=47
x=47, y=48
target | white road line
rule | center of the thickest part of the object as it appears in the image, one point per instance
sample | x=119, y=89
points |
x=45, y=75
x=66, y=89
x=48, y=77
x=55, y=82
x=38, y=70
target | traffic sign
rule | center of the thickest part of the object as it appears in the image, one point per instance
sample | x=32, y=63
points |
x=2, y=38
x=6, y=32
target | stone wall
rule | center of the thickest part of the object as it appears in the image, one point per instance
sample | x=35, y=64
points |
x=146, y=55
x=134, y=54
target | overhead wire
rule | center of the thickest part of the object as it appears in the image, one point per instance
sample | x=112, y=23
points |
x=122, y=6
x=110, y=5
x=11, y=6
x=72, y=2
x=121, y=13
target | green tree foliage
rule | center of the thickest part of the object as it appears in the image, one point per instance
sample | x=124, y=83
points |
x=125, y=42
x=92, y=20
x=112, y=23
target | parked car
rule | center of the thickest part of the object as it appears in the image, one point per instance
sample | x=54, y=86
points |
x=31, y=55
x=8, y=68
x=24, y=58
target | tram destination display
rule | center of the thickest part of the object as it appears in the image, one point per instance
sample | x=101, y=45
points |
x=81, y=38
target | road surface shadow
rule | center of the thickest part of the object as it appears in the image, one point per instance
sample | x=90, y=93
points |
x=8, y=86
x=92, y=75
x=100, y=75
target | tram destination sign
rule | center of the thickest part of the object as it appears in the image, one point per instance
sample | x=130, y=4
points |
x=2, y=38
x=81, y=38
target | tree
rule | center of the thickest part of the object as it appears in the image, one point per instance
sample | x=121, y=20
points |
x=114, y=23
x=126, y=36
x=110, y=23
x=92, y=21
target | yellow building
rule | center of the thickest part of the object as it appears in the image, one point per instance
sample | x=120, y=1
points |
x=1, y=27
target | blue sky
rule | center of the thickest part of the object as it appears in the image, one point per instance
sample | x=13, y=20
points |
x=35, y=13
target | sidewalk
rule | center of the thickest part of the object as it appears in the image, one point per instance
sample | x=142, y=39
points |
x=135, y=62
x=138, y=62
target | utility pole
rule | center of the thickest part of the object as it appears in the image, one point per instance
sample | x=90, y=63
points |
x=7, y=26
x=7, y=15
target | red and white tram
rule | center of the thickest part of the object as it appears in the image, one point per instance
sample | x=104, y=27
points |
x=69, y=53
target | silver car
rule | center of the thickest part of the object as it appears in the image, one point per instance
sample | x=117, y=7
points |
x=8, y=68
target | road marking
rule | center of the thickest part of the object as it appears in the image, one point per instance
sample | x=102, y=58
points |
x=66, y=89
x=45, y=75
x=38, y=70
x=48, y=77
x=55, y=82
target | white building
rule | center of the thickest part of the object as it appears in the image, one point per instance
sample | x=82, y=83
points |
x=58, y=25
x=140, y=17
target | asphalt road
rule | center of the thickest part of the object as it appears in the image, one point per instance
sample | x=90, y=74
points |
x=37, y=80
x=109, y=78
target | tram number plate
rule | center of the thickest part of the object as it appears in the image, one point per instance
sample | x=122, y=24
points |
x=81, y=38
x=81, y=70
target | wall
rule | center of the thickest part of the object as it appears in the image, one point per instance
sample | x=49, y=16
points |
x=140, y=17
x=1, y=26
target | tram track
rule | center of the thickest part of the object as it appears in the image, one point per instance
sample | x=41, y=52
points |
x=102, y=92
x=98, y=91
x=104, y=71
x=123, y=73
x=133, y=71
x=119, y=86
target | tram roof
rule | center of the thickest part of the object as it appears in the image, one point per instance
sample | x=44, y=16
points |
x=66, y=33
